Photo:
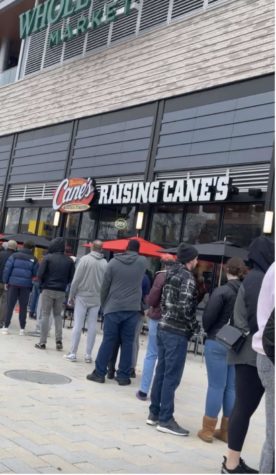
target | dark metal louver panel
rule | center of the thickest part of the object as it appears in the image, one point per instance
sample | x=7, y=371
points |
x=74, y=47
x=97, y=38
x=5, y=152
x=125, y=26
x=35, y=53
x=182, y=7
x=154, y=13
x=53, y=55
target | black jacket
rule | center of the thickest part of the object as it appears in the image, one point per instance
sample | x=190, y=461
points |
x=269, y=338
x=56, y=270
x=220, y=307
x=4, y=255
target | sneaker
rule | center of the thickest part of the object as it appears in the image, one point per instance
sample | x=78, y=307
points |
x=142, y=396
x=88, y=359
x=5, y=331
x=123, y=382
x=132, y=373
x=172, y=427
x=59, y=345
x=241, y=468
x=71, y=357
x=21, y=332
x=40, y=346
x=152, y=419
x=95, y=377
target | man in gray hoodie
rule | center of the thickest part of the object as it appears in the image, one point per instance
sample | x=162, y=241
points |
x=85, y=294
x=121, y=302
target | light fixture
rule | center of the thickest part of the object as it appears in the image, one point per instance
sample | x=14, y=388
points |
x=56, y=219
x=139, y=220
x=268, y=222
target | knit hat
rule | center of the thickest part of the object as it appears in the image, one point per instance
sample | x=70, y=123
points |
x=186, y=253
x=12, y=245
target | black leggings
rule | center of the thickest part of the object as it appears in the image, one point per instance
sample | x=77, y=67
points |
x=249, y=392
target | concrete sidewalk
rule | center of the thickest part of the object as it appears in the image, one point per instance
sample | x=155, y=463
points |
x=85, y=427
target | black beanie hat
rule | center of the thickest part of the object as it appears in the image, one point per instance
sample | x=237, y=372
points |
x=186, y=253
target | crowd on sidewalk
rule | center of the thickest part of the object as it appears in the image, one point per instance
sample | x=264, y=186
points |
x=238, y=322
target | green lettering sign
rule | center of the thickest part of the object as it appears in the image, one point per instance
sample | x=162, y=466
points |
x=81, y=5
x=96, y=18
x=55, y=38
x=27, y=20
x=69, y=8
x=110, y=12
x=82, y=25
x=55, y=11
x=67, y=33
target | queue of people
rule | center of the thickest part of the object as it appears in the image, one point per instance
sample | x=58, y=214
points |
x=237, y=380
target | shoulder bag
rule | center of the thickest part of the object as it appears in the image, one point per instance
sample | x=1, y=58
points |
x=231, y=337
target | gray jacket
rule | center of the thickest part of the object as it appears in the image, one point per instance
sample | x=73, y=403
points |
x=88, y=279
x=122, y=285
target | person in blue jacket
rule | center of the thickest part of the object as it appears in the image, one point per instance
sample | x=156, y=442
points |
x=18, y=274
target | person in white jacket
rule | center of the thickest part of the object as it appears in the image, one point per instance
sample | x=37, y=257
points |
x=85, y=297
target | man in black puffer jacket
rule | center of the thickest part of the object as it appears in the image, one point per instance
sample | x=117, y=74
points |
x=55, y=272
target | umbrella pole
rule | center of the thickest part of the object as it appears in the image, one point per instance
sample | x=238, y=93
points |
x=220, y=272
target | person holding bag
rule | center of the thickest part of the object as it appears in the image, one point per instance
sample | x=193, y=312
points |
x=249, y=389
x=221, y=375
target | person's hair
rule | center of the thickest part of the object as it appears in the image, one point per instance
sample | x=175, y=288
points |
x=236, y=266
x=29, y=245
x=133, y=245
x=97, y=245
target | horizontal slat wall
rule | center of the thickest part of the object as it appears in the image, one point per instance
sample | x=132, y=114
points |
x=41, y=153
x=5, y=152
x=231, y=126
x=229, y=43
x=113, y=144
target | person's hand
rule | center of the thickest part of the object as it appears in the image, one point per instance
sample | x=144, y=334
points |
x=6, y=286
x=71, y=302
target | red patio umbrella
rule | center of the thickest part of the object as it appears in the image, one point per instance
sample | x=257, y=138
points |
x=147, y=248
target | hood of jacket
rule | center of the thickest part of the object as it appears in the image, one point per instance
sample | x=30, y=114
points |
x=97, y=255
x=127, y=257
x=261, y=253
x=57, y=245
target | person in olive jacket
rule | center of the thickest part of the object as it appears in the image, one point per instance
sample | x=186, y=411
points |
x=221, y=375
x=55, y=272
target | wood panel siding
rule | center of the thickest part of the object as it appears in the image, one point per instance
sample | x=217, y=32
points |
x=231, y=42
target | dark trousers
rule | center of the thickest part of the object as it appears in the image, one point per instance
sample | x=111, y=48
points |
x=22, y=295
x=249, y=392
x=172, y=350
x=117, y=325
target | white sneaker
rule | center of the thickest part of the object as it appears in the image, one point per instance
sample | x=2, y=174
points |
x=88, y=359
x=22, y=332
x=71, y=357
x=5, y=331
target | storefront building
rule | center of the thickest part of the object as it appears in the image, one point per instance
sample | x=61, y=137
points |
x=170, y=118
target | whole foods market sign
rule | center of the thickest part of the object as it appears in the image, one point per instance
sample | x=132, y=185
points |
x=53, y=11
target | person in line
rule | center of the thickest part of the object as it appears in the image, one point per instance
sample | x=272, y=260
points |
x=249, y=388
x=221, y=375
x=11, y=248
x=120, y=300
x=55, y=272
x=265, y=307
x=178, y=323
x=19, y=271
x=84, y=296
x=154, y=314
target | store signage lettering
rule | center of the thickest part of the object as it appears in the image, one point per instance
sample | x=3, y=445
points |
x=74, y=195
x=170, y=191
x=53, y=11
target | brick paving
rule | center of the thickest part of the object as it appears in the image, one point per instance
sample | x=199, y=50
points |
x=85, y=427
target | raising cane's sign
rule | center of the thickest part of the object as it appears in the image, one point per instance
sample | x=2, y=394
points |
x=74, y=195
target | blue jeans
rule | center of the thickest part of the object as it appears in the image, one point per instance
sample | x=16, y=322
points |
x=150, y=358
x=34, y=297
x=117, y=326
x=221, y=380
x=172, y=350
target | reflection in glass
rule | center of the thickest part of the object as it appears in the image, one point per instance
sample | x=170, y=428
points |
x=243, y=222
x=201, y=224
x=12, y=220
x=29, y=220
x=166, y=225
x=87, y=227
x=107, y=229
x=72, y=225
x=45, y=223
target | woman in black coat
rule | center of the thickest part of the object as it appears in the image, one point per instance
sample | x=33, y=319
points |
x=221, y=375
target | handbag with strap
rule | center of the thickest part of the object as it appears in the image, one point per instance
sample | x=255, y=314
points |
x=231, y=337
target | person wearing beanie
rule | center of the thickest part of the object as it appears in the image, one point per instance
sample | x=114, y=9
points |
x=8, y=249
x=55, y=272
x=19, y=271
x=177, y=325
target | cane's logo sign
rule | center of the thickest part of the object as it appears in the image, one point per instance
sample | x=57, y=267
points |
x=74, y=195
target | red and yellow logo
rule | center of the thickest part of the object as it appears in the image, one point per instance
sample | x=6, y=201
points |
x=74, y=195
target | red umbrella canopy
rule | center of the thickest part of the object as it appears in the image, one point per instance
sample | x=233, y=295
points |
x=147, y=248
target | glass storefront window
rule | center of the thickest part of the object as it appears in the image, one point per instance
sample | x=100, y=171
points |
x=166, y=225
x=201, y=223
x=72, y=225
x=12, y=220
x=45, y=223
x=87, y=227
x=243, y=222
x=29, y=220
x=107, y=223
